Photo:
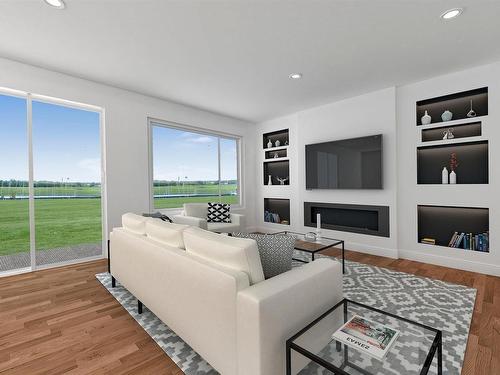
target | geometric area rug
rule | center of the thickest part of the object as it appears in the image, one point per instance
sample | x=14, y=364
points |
x=441, y=305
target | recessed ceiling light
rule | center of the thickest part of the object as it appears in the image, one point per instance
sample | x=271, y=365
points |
x=59, y=4
x=295, y=76
x=451, y=13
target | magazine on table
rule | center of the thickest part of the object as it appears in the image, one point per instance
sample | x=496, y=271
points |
x=367, y=336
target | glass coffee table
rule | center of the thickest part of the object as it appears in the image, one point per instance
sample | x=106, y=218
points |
x=313, y=247
x=312, y=350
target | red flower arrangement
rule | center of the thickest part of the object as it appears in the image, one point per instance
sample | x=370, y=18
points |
x=453, y=161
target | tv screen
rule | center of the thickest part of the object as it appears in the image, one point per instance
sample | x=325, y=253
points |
x=354, y=163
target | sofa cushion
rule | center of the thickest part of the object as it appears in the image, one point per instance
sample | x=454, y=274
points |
x=237, y=253
x=223, y=227
x=166, y=233
x=218, y=213
x=275, y=251
x=196, y=210
x=134, y=223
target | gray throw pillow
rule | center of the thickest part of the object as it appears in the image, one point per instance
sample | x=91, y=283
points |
x=275, y=251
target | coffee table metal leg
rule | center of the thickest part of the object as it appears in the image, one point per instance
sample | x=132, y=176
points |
x=288, y=359
x=312, y=257
x=440, y=354
x=343, y=258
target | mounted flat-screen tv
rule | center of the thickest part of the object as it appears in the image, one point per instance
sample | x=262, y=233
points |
x=354, y=163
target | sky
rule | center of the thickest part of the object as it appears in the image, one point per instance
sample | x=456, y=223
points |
x=66, y=142
x=184, y=156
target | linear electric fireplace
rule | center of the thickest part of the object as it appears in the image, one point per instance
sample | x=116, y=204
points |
x=356, y=218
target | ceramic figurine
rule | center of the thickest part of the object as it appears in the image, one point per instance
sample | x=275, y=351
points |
x=277, y=143
x=426, y=119
x=282, y=180
x=447, y=116
x=269, y=144
x=453, y=177
x=471, y=113
x=276, y=155
x=270, y=180
x=448, y=134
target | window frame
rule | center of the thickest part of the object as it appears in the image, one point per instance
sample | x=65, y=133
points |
x=152, y=122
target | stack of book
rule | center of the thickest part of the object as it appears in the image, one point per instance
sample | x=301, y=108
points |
x=428, y=241
x=470, y=241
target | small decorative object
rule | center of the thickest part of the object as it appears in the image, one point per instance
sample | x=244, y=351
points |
x=269, y=144
x=277, y=143
x=282, y=180
x=310, y=236
x=444, y=176
x=448, y=134
x=471, y=113
x=318, y=227
x=285, y=222
x=446, y=116
x=286, y=142
x=453, y=167
x=276, y=155
x=426, y=119
x=270, y=180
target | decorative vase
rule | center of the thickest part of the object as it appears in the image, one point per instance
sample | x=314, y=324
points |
x=270, y=180
x=471, y=113
x=446, y=116
x=426, y=119
x=269, y=144
x=444, y=176
x=277, y=143
x=453, y=177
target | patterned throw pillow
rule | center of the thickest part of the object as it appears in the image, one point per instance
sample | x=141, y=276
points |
x=275, y=251
x=218, y=213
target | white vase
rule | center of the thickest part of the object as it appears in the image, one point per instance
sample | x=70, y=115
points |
x=277, y=143
x=444, y=176
x=446, y=116
x=426, y=119
x=270, y=180
x=269, y=144
x=453, y=177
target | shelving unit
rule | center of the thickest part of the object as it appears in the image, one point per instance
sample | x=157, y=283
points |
x=281, y=152
x=438, y=223
x=279, y=135
x=459, y=104
x=441, y=222
x=277, y=211
x=472, y=158
x=276, y=167
x=466, y=130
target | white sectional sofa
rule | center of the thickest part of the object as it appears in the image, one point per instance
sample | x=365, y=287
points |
x=195, y=214
x=210, y=290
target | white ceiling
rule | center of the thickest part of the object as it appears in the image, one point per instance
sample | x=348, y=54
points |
x=234, y=57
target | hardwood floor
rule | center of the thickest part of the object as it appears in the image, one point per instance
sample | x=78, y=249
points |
x=62, y=321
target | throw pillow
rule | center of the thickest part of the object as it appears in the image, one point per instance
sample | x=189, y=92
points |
x=275, y=252
x=218, y=213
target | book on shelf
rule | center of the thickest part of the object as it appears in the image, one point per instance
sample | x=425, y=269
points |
x=429, y=241
x=367, y=336
x=470, y=241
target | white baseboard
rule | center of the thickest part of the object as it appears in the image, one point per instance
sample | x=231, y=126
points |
x=467, y=265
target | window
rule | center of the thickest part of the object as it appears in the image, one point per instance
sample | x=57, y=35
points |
x=192, y=166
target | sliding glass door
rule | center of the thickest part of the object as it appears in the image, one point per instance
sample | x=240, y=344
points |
x=50, y=176
x=67, y=175
x=14, y=209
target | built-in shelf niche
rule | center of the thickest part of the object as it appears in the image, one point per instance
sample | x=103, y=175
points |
x=441, y=222
x=277, y=210
x=472, y=158
x=281, y=153
x=276, y=169
x=279, y=135
x=459, y=104
x=472, y=129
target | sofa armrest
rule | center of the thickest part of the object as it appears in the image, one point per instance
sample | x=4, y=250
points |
x=237, y=219
x=190, y=220
x=270, y=312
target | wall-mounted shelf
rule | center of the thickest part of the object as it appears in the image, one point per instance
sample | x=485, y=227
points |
x=276, y=169
x=459, y=104
x=279, y=151
x=279, y=135
x=472, y=129
x=439, y=223
x=472, y=158
x=277, y=211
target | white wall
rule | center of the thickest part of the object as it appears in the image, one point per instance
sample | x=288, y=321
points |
x=126, y=137
x=410, y=194
x=373, y=113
